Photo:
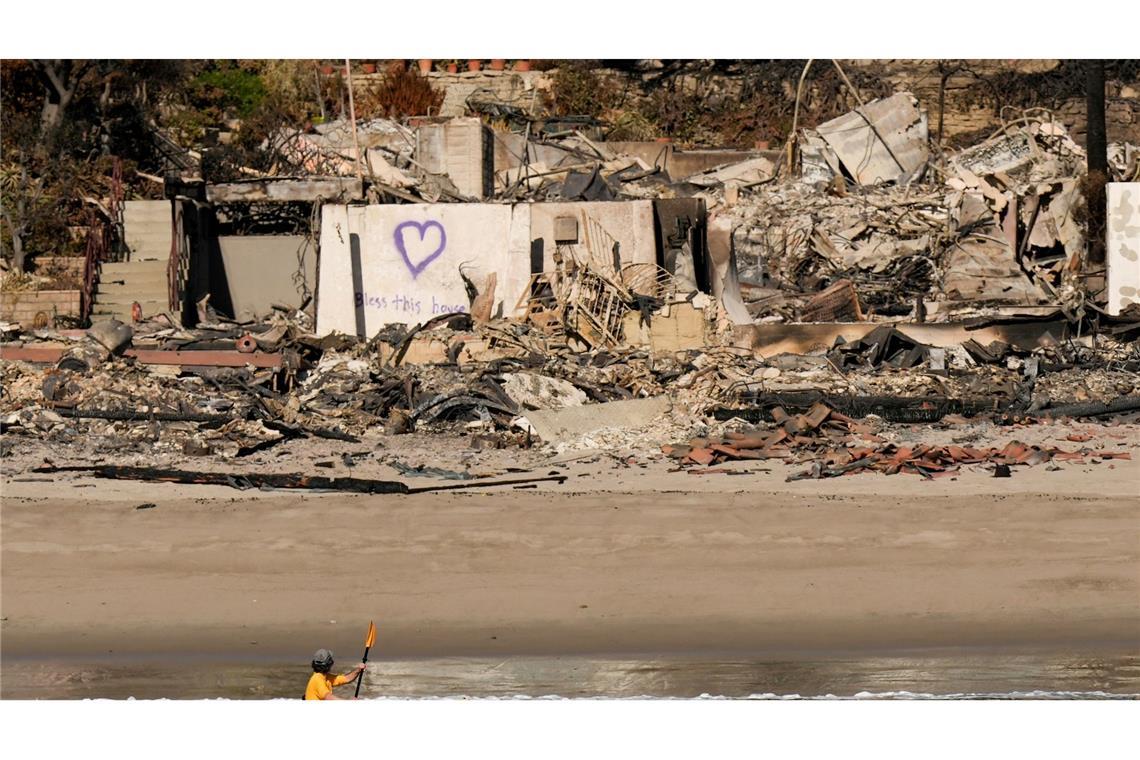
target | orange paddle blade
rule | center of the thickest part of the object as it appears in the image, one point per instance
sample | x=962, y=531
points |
x=370, y=639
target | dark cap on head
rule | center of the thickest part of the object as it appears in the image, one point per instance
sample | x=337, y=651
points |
x=322, y=660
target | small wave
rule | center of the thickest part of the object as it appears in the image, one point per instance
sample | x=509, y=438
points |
x=860, y=696
x=887, y=695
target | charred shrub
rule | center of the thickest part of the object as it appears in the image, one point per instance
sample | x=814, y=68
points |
x=403, y=92
x=578, y=90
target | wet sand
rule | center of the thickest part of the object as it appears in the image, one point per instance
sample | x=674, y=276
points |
x=636, y=563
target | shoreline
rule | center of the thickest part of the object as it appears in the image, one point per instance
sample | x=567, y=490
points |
x=737, y=565
x=177, y=644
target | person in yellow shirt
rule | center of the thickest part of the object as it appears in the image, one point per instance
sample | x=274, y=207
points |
x=321, y=683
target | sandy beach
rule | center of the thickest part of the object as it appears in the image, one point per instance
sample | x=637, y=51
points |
x=621, y=559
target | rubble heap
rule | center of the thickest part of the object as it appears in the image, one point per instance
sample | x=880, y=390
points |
x=998, y=224
x=835, y=445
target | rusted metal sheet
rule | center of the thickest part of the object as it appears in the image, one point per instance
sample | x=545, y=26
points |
x=287, y=189
x=29, y=354
x=185, y=358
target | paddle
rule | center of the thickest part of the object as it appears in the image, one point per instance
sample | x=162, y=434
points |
x=369, y=640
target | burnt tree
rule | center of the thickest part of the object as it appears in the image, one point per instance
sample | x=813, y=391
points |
x=1097, y=145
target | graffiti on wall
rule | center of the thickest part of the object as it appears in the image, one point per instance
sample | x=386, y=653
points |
x=421, y=249
x=407, y=304
x=419, y=244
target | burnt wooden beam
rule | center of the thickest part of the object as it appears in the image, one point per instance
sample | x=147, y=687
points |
x=287, y=189
x=248, y=480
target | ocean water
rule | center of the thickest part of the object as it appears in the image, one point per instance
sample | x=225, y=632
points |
x=943, y=675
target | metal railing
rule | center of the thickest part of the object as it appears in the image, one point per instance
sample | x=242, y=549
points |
x=105, y=241
x=98, y=244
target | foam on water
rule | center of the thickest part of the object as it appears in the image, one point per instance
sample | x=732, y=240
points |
x=861, y=696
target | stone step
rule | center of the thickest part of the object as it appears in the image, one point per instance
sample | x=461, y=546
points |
x=150, y=243
x=139, y=266
x=122, y=312
x=156, y=243
x=146, y=209
x=146, y=282
x=126, y=296
x=136, y=283
x=114, y=306
x=159, y=213
x=101, y=305
x=138, y=228
x=116, y=289
x=125, y=316
x=146, y=228
x=128, y=300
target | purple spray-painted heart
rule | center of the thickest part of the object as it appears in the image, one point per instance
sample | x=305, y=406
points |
x=417, y=267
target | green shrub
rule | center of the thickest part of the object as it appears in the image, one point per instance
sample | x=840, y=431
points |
x=227, y=87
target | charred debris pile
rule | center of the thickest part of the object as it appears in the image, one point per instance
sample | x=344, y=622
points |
x=881, y=283
x=227, y=391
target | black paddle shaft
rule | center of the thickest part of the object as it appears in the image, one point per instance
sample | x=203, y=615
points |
x=360, y=677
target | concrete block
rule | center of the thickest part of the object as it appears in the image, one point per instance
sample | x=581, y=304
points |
x=681, y=328
x=555, y=425
x=461, y=149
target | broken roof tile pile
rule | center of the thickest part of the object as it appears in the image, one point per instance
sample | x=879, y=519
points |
x=835, y=445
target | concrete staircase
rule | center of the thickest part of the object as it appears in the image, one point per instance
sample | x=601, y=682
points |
x=142, y=277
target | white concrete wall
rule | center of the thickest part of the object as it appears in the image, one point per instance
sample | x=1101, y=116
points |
x=409, y=258
x=1123, y=255
x=629, y=223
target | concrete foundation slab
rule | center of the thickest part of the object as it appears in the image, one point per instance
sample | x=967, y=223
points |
x=572, y=422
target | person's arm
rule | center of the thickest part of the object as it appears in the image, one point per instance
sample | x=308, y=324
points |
x=344, y=678
x=356, y=673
